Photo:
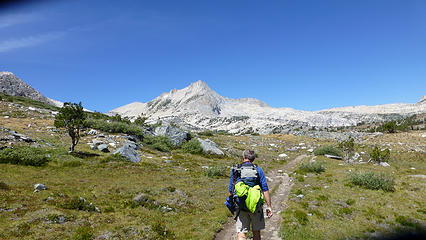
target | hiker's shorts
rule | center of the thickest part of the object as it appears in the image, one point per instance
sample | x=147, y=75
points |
x=256, y=220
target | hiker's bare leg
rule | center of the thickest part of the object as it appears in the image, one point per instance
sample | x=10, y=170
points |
x=256, y=235
x=241, y=236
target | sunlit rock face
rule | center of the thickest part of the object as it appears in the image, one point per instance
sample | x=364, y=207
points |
x=198, y=107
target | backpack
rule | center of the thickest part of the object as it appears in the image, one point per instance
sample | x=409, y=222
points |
x=248, y=174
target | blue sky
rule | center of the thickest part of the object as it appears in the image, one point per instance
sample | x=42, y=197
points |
x=306, y=55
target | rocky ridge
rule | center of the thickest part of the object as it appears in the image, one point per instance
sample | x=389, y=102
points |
x=197, y=107
x=10, y=84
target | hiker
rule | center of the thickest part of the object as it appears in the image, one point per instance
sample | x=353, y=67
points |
x=249, y=189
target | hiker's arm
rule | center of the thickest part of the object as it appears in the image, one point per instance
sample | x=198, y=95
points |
x=267, y=198
x=268, y=203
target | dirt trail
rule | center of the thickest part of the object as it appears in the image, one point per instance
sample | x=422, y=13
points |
x=278, y=200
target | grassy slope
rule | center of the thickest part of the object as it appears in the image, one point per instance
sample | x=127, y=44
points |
x=335, y=210
x=197, y=201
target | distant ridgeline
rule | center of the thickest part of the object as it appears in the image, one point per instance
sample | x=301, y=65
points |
x=197, y=107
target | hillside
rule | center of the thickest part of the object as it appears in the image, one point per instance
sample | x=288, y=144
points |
x=198, y=107
x=10, y=84
x=172, y=194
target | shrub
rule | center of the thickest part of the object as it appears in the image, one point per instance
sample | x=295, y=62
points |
x=162, y=231
x=84, y=233
x=407, y=222
x=301, y=216
x=378, y=155
x=348, y=146
x=206, y=133
x=389, y=127
x=193, y=146
x=215, y=171
x=160, y=143
x=345, y=210
x=114, y=126
x=78, y=203
x=314, y=167
x=331, y=150
x=29, y=156
x=4, y=186
x=371, y=180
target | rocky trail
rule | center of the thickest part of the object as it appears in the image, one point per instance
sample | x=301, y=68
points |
x=281, y=183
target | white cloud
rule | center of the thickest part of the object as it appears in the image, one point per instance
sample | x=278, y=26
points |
x=15, y=19
x=29, y=41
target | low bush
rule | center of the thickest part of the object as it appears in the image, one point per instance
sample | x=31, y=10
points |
x=407, y=222
x=374, y=181
x=314, y=167
x=4, y=186
x=113, y=126
x=206, y=133
x=331, y=150
x=77, y=203
x=193, y=146
x=160, y=143
x=378, y=155
x=28, y=156
x=84, y=233
x=215, y=172
x=301, y=216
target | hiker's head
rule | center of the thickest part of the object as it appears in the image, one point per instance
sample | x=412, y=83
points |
x=249, y=155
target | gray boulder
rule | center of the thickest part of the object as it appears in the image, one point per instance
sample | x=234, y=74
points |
x=103, y=148
x=132, y=145
x=127, y=151
x=97, y=142
x=210, y=147
x=332, y=156
x=39, y=187
x=92, y=132
x=176, y=135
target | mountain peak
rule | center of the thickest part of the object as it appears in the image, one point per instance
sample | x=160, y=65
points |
x=423, y=99
x=199, y=85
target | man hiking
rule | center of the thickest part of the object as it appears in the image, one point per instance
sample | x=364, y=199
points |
x=249, y=189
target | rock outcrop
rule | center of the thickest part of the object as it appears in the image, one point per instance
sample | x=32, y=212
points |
x=128, y=151
x=176, y=135
x=210, y=147
x=12, y=85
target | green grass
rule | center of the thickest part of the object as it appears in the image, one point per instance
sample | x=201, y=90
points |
x=371, y=180
x=312, y=167
x=23, y=155
x=193, y=146
x=331, y=150
x=338, y=209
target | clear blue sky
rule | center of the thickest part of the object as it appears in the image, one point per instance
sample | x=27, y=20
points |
x=306, y=55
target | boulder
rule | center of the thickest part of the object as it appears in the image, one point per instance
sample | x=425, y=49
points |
x=132, y=145
x=282, y=155
x=384, y=164
x=333, y=157
x=97, y=142
x=176, y=135
x=39, y=187
x=355, y=156
x=93, y=146
x=210, y=147
x=127, y=151
x=92, y=132
x=103, y=148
